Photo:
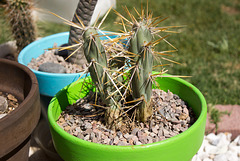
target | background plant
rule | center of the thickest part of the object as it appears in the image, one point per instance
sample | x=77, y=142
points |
x=84, y=12
x=215, y=116
x=19, y=15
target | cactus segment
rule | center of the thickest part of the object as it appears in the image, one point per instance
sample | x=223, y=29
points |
x=102, y=78
x=95, y=54
x=141, y=82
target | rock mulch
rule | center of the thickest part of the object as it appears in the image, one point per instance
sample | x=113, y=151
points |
x=8, y=103
x=51, y=59
x=219, y=148
x=171, y=116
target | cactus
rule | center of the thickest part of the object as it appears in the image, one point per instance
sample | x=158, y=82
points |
x=23, y=26
x=122, y=72
x=96, y=57
x=83, y=12
x=141, y=83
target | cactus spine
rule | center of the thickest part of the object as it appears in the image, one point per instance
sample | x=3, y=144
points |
x=22, y=25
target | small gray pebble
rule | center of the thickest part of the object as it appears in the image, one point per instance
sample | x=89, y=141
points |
x=119, y=134
x=2, y=115
x=137, y=143
x=116, y=140
x=3, y=104
x=155, y=129
x=122, y=143
x=52, y=68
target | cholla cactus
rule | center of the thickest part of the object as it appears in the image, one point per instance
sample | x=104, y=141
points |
x=122, y=72
x=140, y=44
x=100, y=74
x=23, y=26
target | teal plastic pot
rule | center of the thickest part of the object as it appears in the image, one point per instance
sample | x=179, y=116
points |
x=49, y=83
x=181, y=147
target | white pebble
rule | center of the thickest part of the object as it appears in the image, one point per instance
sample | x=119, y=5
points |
x=219, y=148
x=207, y=159
x=195, y=158
x=220, y=157
x=232, y=156
x=2, y=115
x=237, y=140
x=211, y=136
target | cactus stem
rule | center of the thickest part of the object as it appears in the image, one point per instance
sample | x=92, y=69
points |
x=23, y=27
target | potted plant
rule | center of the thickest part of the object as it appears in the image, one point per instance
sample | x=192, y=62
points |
x=123, y=77
x=17, y=126
x=51, y=83
x=18, y=14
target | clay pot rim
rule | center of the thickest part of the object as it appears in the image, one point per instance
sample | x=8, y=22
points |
x=19, y=111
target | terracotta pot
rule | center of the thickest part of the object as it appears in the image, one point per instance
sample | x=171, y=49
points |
x=17, y=126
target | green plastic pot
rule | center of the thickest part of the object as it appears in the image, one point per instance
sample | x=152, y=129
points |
x=181, y=147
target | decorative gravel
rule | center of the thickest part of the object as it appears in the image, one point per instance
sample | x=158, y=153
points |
x=50, y=56
x=219, y=148
x=171, y=116
x=8, y=103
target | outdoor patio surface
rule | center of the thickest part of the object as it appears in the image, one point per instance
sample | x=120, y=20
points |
x=230, y=123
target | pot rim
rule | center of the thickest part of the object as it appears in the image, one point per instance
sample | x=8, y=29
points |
x=20, y=110
x=53, y=36
x=28, y=47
